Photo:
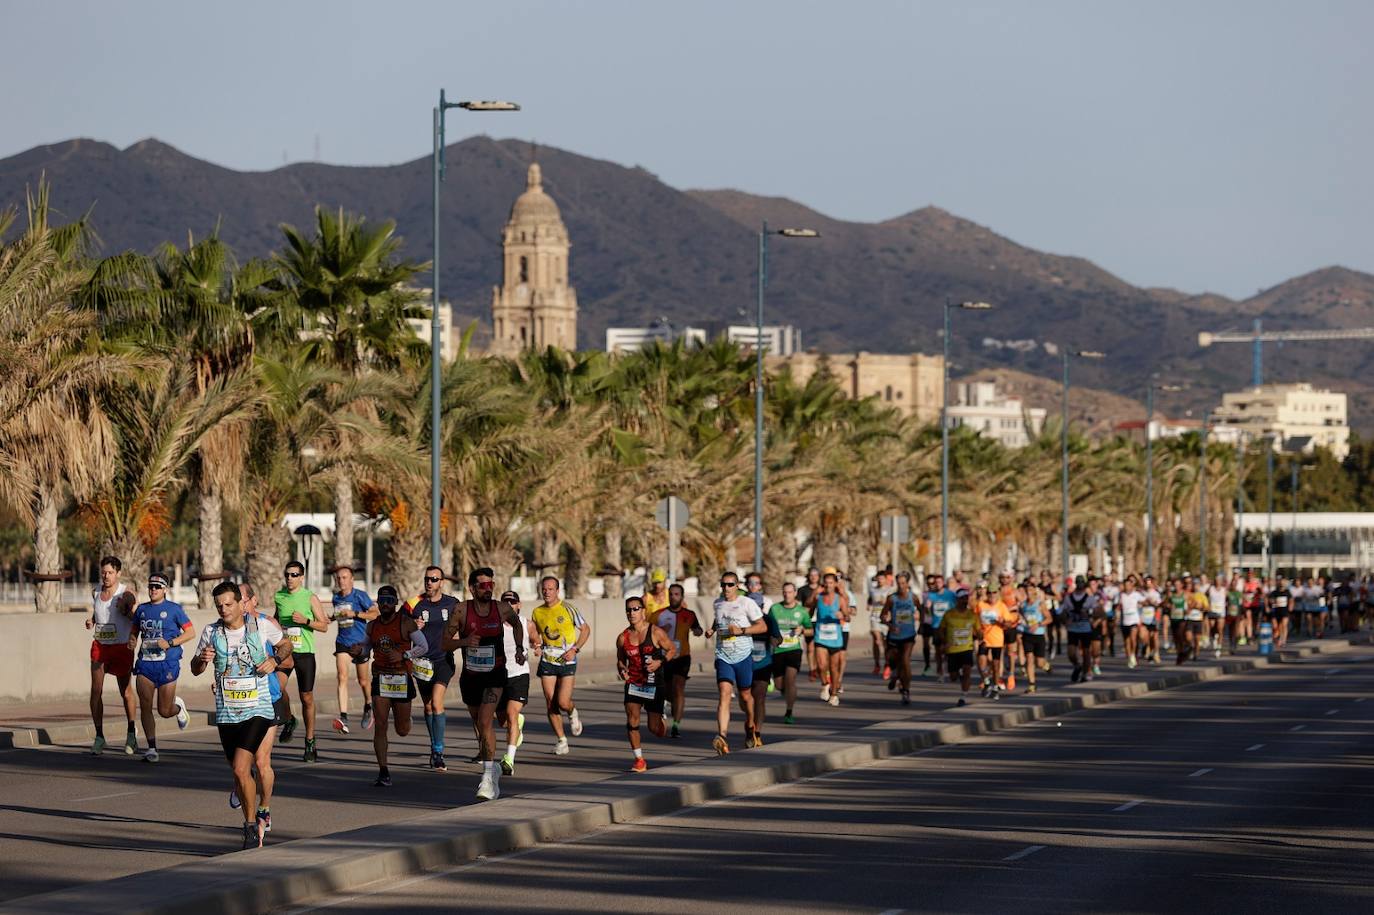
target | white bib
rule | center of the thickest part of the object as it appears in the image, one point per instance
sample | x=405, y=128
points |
x=828, y=631
x=424, y=669
x=106, y=634
x=240, y=692
x=393, y=686
x=647, y=691
x=296, y=637
x=480, y=660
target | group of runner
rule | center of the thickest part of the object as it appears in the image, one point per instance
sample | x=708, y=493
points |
x=400, y=650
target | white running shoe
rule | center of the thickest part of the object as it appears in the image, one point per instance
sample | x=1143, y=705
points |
x=183, y=717
x=576, y=722
x=561, y=747
x=1130, y=662
x=150, y=755
x=825, y=693
x=834, y=700
x=487, y=789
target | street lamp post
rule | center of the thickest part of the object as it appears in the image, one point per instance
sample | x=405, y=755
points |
x=944, y=436
x=435, y=355
x=1150, y=470
x=1064, y=450
x=758, y=382
x=1202, y=497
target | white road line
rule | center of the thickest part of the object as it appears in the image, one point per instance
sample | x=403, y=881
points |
x=1335, y=670
x=1198, y=773
x=1253, y=748
x=1333, y=711
x=1126, y=806
x=892, y=912
x=102, y=797
x=1361, y=699
x=1025, y=852
x=1297, y=727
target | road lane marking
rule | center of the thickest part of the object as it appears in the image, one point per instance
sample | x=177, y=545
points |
x=892, y=912
x=1251, y=749
x=1335, y=670
x=1126, y=806
x=1361, y=699
x=1198, y=773
x=1297, y=727
x=1024, y=853
x=102, y=797
x=1332, y=711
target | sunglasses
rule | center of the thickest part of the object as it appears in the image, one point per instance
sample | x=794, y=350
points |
x=633, y=609
x=157, y=587
x=485, y=584
x=729, y=584
x=294, y=574
x=432, y=581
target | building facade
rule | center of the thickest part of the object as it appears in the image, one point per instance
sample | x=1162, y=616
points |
x=979, y=406
x=534, y=307
x=912, y=383
x=627, y=339
x=448, y=342
x=778, y=339
x=1288, y=411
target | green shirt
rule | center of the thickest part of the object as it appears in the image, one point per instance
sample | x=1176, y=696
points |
x=791, y=622
x=288, y=602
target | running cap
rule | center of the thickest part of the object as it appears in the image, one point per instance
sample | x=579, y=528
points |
x=158, y=581
x=831, y=570
x=1080, y=582
x=658, y=575
x=510, y=597
x=388, y=593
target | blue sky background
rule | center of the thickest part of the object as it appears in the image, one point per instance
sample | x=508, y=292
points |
x=1221, y=146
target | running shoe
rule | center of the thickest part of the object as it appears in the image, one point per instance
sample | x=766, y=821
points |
x=1076, y=675
x=1217, y=654
x=130, y=744
x=674, y=731
x=183, y=717
x=150, y=755
x=520, y=726
x=98, y=746
x=487, y=788
x=576, y=722
x=1011, y=682
x=887, y=672
x=436, y=761
x=367, y=718
x=925, y=673
x=265, y=818
x=835, y=699
x=640, y=765
x=962, y=701
x=789, y=718
x=877, y=671
x=474, y=758
x=341, y=726
x=383, y=780
x=906, y=697
x=561, y=747
x=288, y=730
x=825, y=693
x=507, y=765
x=720, y=745
x=310, y=755
x=252, y=837
x=1130, y=662
x=234, y=802
x=891, y=684
x=1030, y=688
x=1097, y=670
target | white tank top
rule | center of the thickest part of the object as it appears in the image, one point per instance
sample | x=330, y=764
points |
x=513, y=669
x=111, y=626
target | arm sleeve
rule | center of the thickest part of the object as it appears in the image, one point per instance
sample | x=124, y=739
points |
x=419, y=644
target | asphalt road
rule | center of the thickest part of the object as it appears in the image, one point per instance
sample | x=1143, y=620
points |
x=1252, y=793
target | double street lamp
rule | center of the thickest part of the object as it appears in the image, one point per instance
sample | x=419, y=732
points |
x=1064, y=447
x=944, y=434
x=758, y=382
x=435, y=353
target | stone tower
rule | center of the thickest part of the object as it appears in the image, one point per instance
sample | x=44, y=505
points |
x=534, y=307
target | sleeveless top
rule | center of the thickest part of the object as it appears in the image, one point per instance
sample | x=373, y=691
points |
x=828, y=631
x=636, y=654
x=111, y=627
x=241, y=693
x=902, y=625
x=490, y=654
x=390, y=642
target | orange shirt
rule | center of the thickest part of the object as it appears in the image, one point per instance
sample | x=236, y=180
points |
x=991, y=618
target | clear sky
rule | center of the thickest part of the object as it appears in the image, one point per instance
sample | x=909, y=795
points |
x=1216, y=146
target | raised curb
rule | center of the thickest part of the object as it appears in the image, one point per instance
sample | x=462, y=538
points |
x=307, y=869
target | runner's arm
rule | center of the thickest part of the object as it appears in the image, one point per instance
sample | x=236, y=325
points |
x=662, y=641
x=622, y=668
x=885, y=614
x=512, y=618
x=452, y=638
x=319, y=620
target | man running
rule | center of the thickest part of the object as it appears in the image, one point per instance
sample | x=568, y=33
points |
x=959, y=633
x=640, y=652
x=393, y=642
x=239, y=651
x=1130, y=602
x=111, y=624
x=161, y=627
x=1109, y=594
x=762, y=656
x=353, y=610
x=679, y=624
x=992, y=622
x=939, y=601
x=433, y=611
x=300, y=615
x=1216, y=612
x=563, y=631
x=1280, y=605
x=811, y=586
x=1151, y=611
x=1079, y=609
x=879, y=588
x=478, y=628
x=656, y=597
x=794, y=624
x=1035, y=616
x=735, y=619
x=899, y=616
x=1195, y=611
x=830, y=608
x=516, y=695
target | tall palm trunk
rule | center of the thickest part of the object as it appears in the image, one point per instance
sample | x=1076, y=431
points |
x=575, y=572
x=343, y=521
x=406, y=557
x=134, y=556
x=269, y=549
x=47, y=557
x=613, y=584
x=708, y=573
x=779, y=556
x=210, y=551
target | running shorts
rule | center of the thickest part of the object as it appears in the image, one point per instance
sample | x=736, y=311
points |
x=898, y=643
x=159, y=672
x=654, y=706
x=1126, y=631
x=483, y=688
x=1194, y=626
x=927, y=630
x=442, y=675
x=992, y=651
x=281, y=711
x=1081, y=638
x=517, y=689
x=555, y=669
x=875, y=623
x=305, y=670
x=118, y=659
x=377, y=689
x=958, y=661
x=353, y=651
x=782, y=660
x=741, y=673
x=245, y=735
x=1150, y=627
x=1034, y=645
x=682, y=667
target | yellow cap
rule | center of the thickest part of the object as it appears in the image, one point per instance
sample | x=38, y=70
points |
x=658, y=575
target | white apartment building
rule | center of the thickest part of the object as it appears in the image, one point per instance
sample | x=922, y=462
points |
x=979, y=406
x=1288, y=411
x=448, y=344
x=626, y=339
x=778, y=339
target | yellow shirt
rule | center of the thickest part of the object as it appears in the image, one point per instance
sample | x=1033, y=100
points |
x=653, y=603
x=559, y=626
x=959, y=628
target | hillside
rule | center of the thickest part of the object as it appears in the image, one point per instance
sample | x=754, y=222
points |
x=642, y=249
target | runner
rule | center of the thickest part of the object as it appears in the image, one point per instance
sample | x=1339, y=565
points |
x=762, y=656
x=1131, y=599
x=1150, y=615
x=1253, y=605
x=1280, y=604
x=1346, y=598
x=563, y=632
x=656, y=598
x=879, y=588
x=510, y=711
x=1110, y=593
x=239, y=650
x=1195, y=609
x=992, y=620
x=262, y=759
x=679, y=624
x=735, y=619
x=161, y=627
x=433, y=610
x=640, y=652
x=939, y=600
x=811, y=586
x=1321, y=592
x=1035, y=615
x=1216, y=612
x=794, y=624
x=830, y=608
x=111, y=624
x=479, y=629
x=300, y=615
x=1012, y=657
x=393, y=642
x=959, y=633
x=1235, y=611
x=899, y=617
x=1079, y=608
x=353, y=610
x=1178, y=614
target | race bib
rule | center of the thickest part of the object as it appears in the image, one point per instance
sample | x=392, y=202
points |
x=791, y=640
x=424, y=669
x=677, y=648
x=346, y=623
x=239, y=692
x=393, y=686
x=297, y=638
x=480, y=660
x=1147, y=614
x=150, y=651
x=963, y=635
x=760, y=652
x=555, y=652
x=105, y=633
x=646, y=691
x=905, y=617
x=828, y=631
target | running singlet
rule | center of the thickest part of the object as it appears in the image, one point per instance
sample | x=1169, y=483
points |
x=1149, y=607
x=958, y=627
x=1130, y=608
x=1197, y=605
x=163, y=620
x=433, y=616
x=940, y=603
x=390, y=640
x=1216, y=601
x=508, y=645
x=1178, y=606
x=1079, y=610
x=490, y=654
x=302, y=636
x=991, y=617
x=111, y=627
x=1279, y=599
x=1110, y=595
x=829, y=633
x=351, y=632
x=762, y=649
x=1033, y=615
x=903, y=620
x=792, y=621
x=241, y=692
x=741, y=612
x=677, y=626
x=559, y=626
x=637, y=654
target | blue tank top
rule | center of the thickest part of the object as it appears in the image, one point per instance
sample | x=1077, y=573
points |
x=903, y=622
x=829, y=631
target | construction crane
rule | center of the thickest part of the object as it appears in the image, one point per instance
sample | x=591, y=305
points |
x=1258, y=336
